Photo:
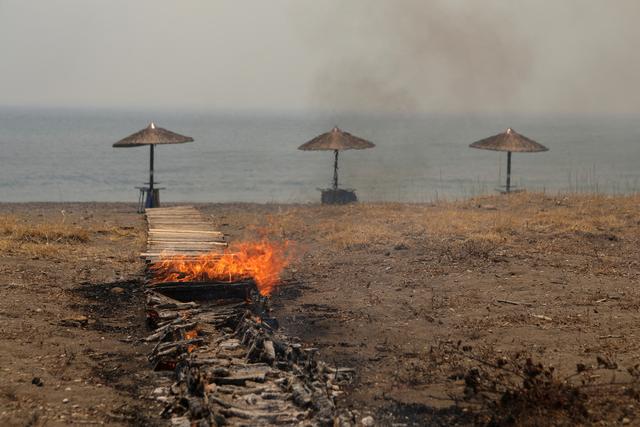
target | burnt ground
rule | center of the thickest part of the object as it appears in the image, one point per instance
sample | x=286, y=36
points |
x=408, y=295
x=397, y=290
x=70, y=317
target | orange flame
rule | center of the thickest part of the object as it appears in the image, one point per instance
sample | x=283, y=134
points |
x=261, y=261
x=189, y=335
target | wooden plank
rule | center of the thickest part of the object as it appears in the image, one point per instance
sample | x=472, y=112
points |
x=177, y=226
x=192, y=232
x=179, y=219
x=175, y=212
x=185, y=231
x=186, y=245
x=187, y=239
x=165, y=254
x=178, y=240
x=195, y=236
x=186, y=256
x=185, y=242
x=169, y=208
x=183, y=251
x=168, y=251
x=156, y=260
x=182, y=231
x=173, y=226
x=172, y=209
x=180, y=216
x=173, y=257
x=181, y=222
x=161, y=211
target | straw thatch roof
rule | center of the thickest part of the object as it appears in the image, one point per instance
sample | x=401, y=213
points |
x=337, y=140
x=509, y=140
x=152, y=135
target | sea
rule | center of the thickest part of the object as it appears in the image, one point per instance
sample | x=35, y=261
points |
x=65, y=154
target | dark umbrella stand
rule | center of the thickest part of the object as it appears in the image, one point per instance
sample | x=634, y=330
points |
x=511, y=142
x=336, y=140
x=152, y=136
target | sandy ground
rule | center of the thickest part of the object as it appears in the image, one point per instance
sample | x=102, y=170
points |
x=392, y=290
x=61, y=323
x=383, y=287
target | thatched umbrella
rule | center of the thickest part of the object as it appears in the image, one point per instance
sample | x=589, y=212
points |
x=152, y=136
x=336, y=140
x=511, y=142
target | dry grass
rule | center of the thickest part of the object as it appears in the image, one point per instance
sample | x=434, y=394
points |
x=116, y=233
x=40, y=250
x=46, y=233
x=38, y=240
x=48, y=237
x=527, y=223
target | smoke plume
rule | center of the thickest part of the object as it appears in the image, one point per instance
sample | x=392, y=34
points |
x=489, y=56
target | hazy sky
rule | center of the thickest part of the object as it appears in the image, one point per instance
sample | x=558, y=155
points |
x=390, y=55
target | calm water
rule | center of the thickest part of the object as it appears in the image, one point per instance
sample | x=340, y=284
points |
x=66, y=155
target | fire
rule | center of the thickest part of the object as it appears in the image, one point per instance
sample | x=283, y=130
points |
x=189, y=335
x=261, y=261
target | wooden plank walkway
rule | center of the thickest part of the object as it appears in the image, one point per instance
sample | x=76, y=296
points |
x=180, y=231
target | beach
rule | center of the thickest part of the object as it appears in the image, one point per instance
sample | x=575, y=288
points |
x=412, y=296
x=336, y=214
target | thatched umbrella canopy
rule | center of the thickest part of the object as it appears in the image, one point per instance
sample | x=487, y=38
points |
x=152, y=136
x=336, y=140
x=511, y=142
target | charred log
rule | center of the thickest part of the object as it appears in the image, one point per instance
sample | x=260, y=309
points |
x=231, y=366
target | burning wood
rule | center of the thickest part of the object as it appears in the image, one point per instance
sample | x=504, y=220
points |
x=205, y=291
x=231, y=366
x=263, y=262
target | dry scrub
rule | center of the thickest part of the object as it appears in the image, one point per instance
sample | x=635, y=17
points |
x=47, y=233
x=552, y=278
x=51, y=238
x=486, y=228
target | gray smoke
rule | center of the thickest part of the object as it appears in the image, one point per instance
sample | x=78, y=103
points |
x=498, y=56
x=452, y=55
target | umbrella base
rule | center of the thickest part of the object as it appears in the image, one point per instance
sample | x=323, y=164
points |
x=338, y=197
x=148, y=200
x=503, y=190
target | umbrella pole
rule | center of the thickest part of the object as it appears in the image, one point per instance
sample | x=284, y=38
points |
x=150, y=201
x=335, y=171
x=508, y=171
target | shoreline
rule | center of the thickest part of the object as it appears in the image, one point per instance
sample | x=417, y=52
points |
x=443, y=199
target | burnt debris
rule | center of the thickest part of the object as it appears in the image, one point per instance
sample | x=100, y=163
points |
x=233, y=367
